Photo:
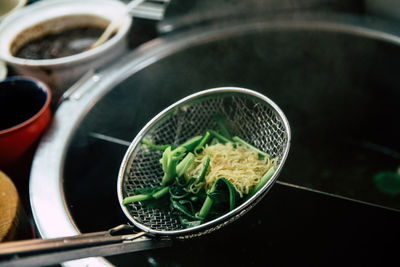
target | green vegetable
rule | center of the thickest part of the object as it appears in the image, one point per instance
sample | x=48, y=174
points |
x=220, y=137
x=204, y=171
x=244, y=143
x=136, y=198
x=202, y=142
x=192, y=143
x=262, y=182
x=145, y=194
x=184, y=164
x=178, y=192
x=169, y=161
x=187, y=211
x=189, y=223
x=187, y=197
x=219, y=119
x=214, y=141
x=161, y=193
x=154, y=146
x=218, y=193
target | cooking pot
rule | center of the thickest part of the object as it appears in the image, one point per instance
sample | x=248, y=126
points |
x=9, y=6
x=46, y=17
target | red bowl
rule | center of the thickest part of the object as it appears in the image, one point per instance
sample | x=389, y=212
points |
x=24, y=114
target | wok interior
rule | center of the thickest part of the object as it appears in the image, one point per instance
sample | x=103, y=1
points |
x=247, y=116
x=339, y=90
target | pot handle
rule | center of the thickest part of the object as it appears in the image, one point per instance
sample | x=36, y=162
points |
x=41, y=252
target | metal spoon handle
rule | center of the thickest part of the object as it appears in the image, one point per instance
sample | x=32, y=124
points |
x=40, y=252
x=132, y=4
x=114, y=24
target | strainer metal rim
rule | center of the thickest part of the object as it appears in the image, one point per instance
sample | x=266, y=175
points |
x=226, y=218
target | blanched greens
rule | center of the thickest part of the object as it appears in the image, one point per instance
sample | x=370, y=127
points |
x=187, y=197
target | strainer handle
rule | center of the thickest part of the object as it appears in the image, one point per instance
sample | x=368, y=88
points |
x=40, y=252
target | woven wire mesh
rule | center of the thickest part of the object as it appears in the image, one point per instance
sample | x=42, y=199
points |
x=250, y=118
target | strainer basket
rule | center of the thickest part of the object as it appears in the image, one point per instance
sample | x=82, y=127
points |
x=247, y=114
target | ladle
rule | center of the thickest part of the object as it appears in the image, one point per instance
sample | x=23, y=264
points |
x=114, y=24
x=249, y=114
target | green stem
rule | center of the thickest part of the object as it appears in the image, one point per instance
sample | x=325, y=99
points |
x=169, y=161
x=154, y=146
x=219, y=119
x=161, y=192
x=192, y=143
x=220, y=137
x=244, y=143
x=203, y=172
x=214, y=141
x=205, y=208
x=207, y=203
x=202, y=143
x=136, y=198
x=182, y=209
x=184, y=164
x=262, y=182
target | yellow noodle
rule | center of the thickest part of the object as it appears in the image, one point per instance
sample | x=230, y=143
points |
x=240, y=165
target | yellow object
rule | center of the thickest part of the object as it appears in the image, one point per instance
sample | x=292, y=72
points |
x=239, y=165
x=9, y=208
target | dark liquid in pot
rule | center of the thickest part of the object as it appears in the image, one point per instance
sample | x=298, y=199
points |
x=63, y=44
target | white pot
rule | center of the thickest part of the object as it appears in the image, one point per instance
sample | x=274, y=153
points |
x=61, y=73
x=9, y=6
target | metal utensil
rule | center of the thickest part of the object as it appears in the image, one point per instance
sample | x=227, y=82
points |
x=114, y=24
x=248, y=114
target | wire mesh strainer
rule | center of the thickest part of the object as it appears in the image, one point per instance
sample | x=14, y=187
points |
x=248, y=114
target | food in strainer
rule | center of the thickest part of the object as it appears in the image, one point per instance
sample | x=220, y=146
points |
x=207, y=176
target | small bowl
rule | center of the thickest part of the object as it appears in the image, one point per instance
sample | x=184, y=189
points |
x=25, y=113
x=44, y=17
x=9, y=6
